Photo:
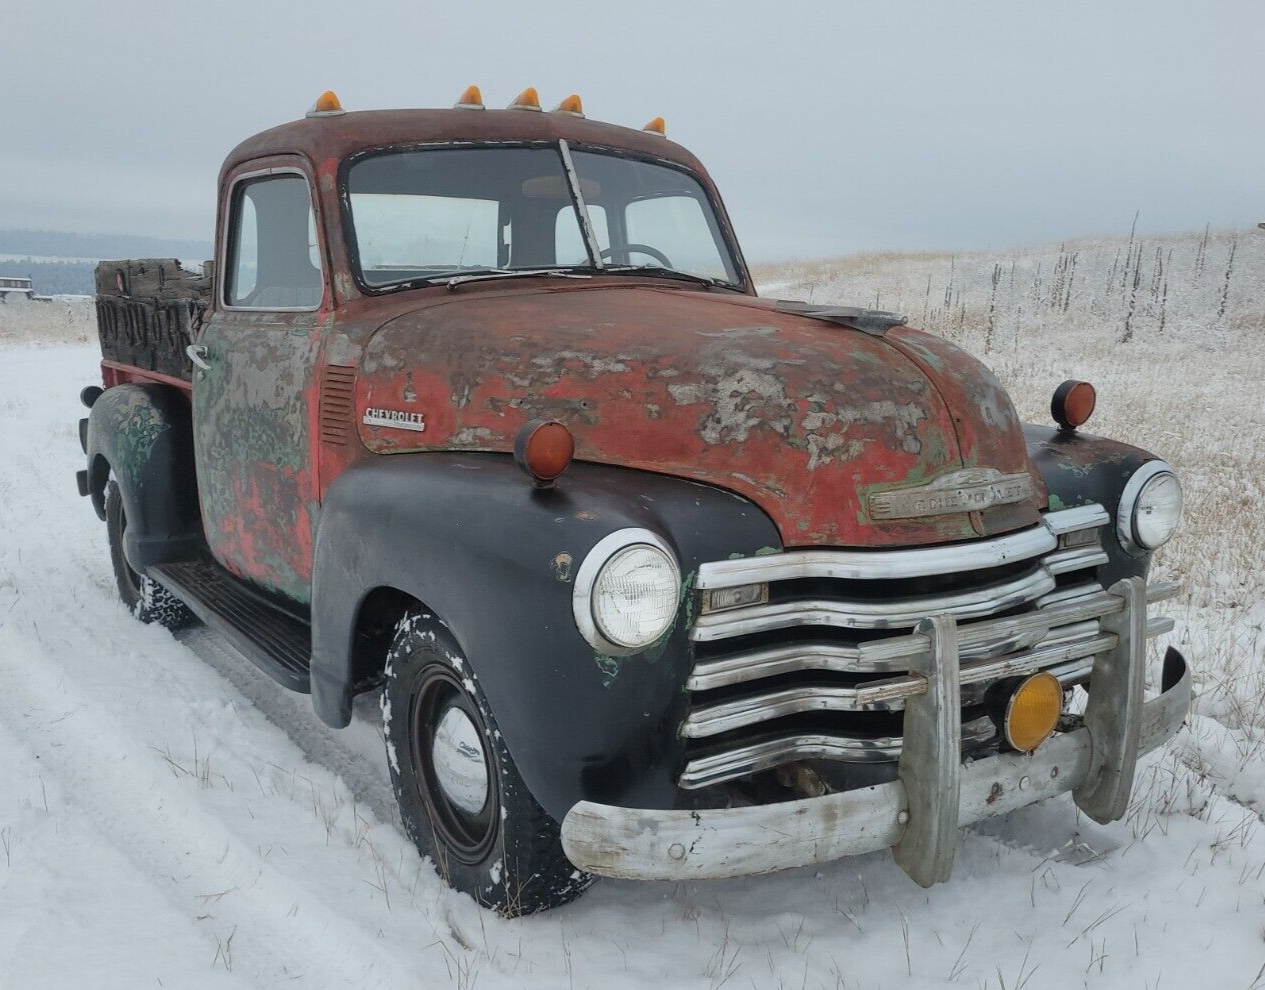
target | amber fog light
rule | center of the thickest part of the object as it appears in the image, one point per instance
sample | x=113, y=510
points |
x=1032, y=711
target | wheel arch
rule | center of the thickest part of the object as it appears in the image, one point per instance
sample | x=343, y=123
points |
x=377, y=615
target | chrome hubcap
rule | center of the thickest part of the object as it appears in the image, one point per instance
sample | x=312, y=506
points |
x=458, y=757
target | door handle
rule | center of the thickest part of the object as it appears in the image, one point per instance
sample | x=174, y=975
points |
x=198, y=354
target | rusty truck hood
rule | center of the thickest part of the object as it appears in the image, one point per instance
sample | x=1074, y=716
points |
x=806, y=418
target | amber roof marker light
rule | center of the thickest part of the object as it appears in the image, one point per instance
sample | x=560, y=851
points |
x=572, y=105
x=1073, y=403
x=528, y=99
x=471, y=99
x=326, y=105
x=657, y=126
x=544, y=449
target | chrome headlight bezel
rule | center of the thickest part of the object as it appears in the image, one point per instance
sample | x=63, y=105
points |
x=1126, y=515
x=586, y=584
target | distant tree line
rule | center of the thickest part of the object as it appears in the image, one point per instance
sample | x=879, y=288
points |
x=50, y=278
x=60, y=244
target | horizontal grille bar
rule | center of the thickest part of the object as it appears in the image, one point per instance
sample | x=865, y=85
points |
x=893, y=613
x=870, y=565
x=734, y=763
x=904, y=652
x=890, y=693
x=898, y=654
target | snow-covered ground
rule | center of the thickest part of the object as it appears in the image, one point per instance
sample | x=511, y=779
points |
x=171, y=818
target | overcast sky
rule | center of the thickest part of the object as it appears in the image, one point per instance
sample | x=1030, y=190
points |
x=830, y=127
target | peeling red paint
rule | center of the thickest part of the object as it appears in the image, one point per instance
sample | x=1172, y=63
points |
x=802, y=416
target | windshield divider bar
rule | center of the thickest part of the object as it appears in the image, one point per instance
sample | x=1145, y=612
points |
x=586, y=225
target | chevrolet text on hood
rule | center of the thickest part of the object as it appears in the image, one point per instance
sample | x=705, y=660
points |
x=480, y=410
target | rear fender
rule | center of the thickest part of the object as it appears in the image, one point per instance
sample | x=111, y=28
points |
x=143, y=435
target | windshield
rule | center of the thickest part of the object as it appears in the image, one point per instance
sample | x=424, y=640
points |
x=443, y=212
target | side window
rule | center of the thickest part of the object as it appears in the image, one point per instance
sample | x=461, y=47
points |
x=273, y=261
x=569, y=244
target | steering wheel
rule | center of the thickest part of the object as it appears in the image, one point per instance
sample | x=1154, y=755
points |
x=630, y=249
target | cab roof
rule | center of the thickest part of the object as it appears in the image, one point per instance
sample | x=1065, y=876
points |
x=337, y=136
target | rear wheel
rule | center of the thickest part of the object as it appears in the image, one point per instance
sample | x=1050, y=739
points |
x=461, y=798
x=145, y=598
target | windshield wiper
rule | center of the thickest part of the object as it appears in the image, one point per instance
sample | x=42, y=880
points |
x=660, y=271
x=495, y=273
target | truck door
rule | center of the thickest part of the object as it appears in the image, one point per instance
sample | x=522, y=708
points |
x=253, y=391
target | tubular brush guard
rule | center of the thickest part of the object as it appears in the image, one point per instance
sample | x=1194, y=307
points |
x=935, y=795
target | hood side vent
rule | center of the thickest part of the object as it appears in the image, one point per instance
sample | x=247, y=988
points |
x=338, y=385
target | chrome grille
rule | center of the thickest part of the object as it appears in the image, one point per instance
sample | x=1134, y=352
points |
x=848, y=656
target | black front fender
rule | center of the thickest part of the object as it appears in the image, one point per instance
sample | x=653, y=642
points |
x=471, y=538
x=144, y=435
x=1079, y=468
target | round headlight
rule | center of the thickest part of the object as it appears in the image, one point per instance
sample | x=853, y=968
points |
x=1150, y=508
x=626, y=592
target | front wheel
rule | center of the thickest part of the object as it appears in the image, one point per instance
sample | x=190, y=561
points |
x=144, y=597
x=461, y=798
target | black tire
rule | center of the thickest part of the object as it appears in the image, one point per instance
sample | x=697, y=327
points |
x=507, y=854
x=144, y=597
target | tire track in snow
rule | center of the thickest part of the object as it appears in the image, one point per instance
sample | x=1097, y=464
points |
x=284, y=926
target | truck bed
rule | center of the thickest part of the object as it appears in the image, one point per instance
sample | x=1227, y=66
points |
x=147, y=312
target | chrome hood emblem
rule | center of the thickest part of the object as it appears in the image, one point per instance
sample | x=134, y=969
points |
x=961, y=491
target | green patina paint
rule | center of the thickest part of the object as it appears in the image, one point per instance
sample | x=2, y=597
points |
x=1071, y=467
x=255, y=475
x=687, y=599
x=765, y=551
x=1056, y=503
x=609, y=666
x=138, y=429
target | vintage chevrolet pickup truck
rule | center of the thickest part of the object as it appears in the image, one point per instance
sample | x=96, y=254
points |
x=479, y=410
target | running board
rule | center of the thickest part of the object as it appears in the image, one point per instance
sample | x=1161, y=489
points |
x=278, y=643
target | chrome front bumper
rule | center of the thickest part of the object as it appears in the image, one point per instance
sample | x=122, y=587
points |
x=936, y=794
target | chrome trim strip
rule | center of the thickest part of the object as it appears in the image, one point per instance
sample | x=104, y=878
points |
x=868, y=565
x=770, y=753
x=1075, y=559
x=1088, y=516
x=1077, y=671
x=1070, y=593
x=972, y=603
